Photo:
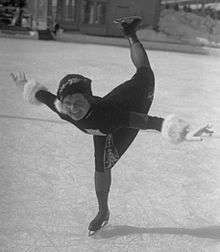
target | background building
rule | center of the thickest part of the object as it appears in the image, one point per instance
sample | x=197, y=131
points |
x=92, y=16
x=96, y=16
x=39, y=12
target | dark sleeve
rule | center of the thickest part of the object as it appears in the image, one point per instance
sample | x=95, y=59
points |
x=155, y=123
x=47, y=98
x=144, y=122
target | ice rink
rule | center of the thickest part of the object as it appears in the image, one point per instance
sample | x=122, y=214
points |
x=163, y=197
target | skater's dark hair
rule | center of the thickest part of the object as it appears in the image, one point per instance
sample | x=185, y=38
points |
x=73, y=83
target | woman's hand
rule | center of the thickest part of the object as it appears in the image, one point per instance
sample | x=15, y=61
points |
x=20, y=80
x=29, y=87
x=199, y=133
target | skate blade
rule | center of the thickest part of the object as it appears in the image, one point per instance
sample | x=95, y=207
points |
x=91, y=233
x=121, y=19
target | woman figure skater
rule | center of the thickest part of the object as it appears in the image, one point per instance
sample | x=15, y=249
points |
x=115, y=119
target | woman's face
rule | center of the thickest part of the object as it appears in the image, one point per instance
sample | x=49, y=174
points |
x=76, y=106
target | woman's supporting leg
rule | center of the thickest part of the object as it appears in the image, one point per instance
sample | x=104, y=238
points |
x=102, y=187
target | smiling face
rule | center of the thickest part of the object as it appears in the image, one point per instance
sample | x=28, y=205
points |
x=76, y=106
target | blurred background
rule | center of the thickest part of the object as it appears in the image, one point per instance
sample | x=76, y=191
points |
x=192, y=21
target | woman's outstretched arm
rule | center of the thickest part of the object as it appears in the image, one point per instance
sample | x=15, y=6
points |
x=173, y=128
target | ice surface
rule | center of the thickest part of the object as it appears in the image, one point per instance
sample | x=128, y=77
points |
x=163, y=197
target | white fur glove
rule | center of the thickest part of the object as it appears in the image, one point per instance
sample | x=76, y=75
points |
x=31, y=87
x=175, y=129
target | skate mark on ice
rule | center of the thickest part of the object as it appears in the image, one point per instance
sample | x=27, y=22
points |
x=32, y=119
x=209, y=232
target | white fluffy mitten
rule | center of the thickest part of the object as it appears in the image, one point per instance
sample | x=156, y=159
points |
x=30, y=89
x=175, y=129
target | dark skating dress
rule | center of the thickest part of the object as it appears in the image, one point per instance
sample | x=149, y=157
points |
x=108, y=118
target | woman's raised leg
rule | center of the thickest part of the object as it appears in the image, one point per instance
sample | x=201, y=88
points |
x=129, y=26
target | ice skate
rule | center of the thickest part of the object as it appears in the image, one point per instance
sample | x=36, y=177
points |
x=98, y=223
x=129, y=25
